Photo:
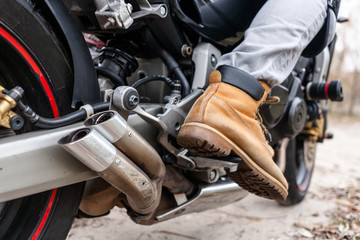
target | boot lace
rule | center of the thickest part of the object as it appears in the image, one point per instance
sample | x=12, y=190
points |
x=268, y=100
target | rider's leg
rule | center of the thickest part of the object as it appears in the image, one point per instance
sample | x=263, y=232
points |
x=276, y=38
x=223, y=120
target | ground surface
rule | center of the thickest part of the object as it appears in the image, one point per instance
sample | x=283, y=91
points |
x=330, y=211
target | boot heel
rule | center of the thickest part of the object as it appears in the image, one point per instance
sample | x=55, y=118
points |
x=203, y=141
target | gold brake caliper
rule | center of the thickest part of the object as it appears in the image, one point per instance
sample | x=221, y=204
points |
x=6, y=103
x=314, y=129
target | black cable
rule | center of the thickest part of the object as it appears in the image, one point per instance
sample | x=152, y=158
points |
x=48, y=123
x=61, y=121
x=99, y=107
x=144, y=80
x=115, y=79
x=175, y=68
x=171, y=63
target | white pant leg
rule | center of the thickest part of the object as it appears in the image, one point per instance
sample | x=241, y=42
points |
x=276, y=38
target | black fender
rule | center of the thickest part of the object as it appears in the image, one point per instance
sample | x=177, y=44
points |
x=86, y=87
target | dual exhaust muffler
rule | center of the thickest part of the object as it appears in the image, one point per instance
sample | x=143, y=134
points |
x=122, y=157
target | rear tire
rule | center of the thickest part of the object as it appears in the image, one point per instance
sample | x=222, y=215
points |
x=32, y=56
x=300, y=159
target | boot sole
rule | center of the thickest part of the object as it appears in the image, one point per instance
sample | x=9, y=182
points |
x=206, y=141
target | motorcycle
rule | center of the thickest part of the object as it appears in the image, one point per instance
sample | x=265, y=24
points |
x=150, y=61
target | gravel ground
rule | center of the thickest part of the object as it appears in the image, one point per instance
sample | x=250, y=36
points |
x=330, y=210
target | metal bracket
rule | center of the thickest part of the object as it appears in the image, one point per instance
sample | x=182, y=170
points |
x=230, y=164
x=118, y=14
x=205, y=56
x=114, y=14
x=203, y=163
x=169, y=124
x=147, y=9
x=184, y=161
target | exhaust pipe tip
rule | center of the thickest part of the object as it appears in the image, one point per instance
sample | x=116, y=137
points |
x=99, y=118
x=90, y=148
x=110, y=124
x=74, y=136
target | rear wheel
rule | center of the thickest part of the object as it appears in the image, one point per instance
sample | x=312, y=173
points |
x=32, y=56
x=299, y=162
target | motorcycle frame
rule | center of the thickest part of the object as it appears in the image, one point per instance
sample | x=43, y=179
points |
x=36, y=163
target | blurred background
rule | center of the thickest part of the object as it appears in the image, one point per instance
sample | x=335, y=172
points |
x=345, y=65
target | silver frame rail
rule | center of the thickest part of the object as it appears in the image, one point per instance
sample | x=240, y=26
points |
x=34, y=162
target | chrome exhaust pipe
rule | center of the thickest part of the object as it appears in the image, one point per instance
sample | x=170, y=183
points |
x=92, y=149
x=117, y=131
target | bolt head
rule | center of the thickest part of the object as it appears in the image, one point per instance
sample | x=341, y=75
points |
x=212, y=175
x=163, y=10
x=175, y=101
x=133, y=100
x=213, y=60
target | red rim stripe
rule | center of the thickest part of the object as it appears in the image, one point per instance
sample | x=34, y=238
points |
x=46, y=215
x=303, y=186
x=36, y=69
x=51, y=98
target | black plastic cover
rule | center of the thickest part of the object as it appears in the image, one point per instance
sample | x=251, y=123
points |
x=217, y=19
x=86, y=87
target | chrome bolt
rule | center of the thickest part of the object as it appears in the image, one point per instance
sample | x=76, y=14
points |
x=163, y=10
x=212, y=175
x=213, y=60
x=129, y=134
x=110, y=22
x=177, y=126
x=175, y=101
x=186, y=50
x=133, y=100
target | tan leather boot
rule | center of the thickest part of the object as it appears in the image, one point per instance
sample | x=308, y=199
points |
x=223, y=121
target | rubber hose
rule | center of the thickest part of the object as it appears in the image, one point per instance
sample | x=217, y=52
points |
x=115, y=79
x=142, y=81
x=171, y=63
x=49, y=123
x=175, y=68
x=61, y=121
